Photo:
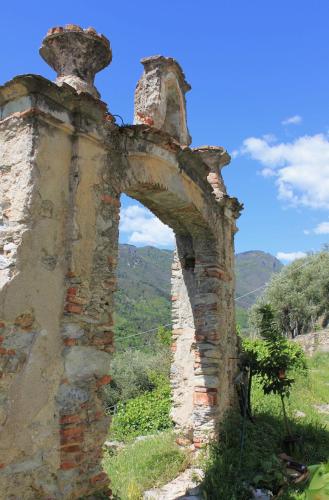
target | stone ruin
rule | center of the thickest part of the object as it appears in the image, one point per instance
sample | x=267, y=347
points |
x=64, y=162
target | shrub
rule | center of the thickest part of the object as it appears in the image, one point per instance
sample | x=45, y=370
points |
x=130, y=373
x=273, y=358
x=145, y=414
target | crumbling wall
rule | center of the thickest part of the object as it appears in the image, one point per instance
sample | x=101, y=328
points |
x=34, y=200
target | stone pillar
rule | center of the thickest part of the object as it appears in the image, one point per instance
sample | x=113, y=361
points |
x=35, y=159
x=160, y=97
x=87, y=324
x=182, y=368
x=59, y=231
x=204, y=338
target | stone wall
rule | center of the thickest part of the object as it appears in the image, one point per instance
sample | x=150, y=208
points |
x=314, y=342
x=64, y=163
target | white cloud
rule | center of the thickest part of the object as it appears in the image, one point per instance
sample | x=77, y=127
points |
x=322, y=228
x=301, y=167
x=143, y=228
x=290, y=256
x=292, y=120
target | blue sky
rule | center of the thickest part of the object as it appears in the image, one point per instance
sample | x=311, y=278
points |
x=260, y=78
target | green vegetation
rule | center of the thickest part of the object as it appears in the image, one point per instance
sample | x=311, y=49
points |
x=132, y=373
x=252, y=270
x=142, y=301
x=241, y=318
x=228, y=472
x=144, y=414
x=145, y=464
x=299, y=295
x=247, y=452
x=273, y=358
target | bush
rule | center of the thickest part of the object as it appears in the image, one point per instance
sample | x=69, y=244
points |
x=130, y=373
x=273, y=359
x=145, y=414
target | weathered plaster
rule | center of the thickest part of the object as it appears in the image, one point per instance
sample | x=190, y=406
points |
x=63, y=165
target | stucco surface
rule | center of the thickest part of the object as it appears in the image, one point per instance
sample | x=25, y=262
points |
x=64, y=163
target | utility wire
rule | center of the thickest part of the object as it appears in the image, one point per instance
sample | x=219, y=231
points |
x=236, y=298
x=265, y=285
x=146, y=331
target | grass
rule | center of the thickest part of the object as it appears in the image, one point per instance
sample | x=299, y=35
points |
x=153, y=462
x=144, y=464
x=228, y=472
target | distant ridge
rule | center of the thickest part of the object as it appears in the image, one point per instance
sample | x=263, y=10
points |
x=143, y=296
x=252, y=270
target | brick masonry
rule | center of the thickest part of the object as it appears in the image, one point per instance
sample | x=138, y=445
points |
x=64, y=163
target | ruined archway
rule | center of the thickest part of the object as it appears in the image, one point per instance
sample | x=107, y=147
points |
x=59, y=256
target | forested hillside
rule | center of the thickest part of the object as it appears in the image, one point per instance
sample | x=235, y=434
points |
x=252, y=270
x=143, y=296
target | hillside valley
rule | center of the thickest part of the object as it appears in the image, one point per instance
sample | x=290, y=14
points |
x=143, y=296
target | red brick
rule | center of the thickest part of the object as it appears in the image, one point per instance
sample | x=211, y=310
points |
x=183, y=441
x=147, y=120
x=98, y=415
x=2, y=465
x=70, y=419
x=72, y=431
x=99, y=478
x=106, y=379
x=72, y=290
x=73, y=299
x=1, y=339
x=105, y=339
x=2, y=324
x=205, y=398
x=71, y=448
x=74, y=308
x=68, y=465
x=72, y=439
x=106, y=198
x=206, y=336
x=70, y=342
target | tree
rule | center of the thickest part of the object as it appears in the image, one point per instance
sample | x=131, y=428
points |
x=273, y=358
x=299, y=295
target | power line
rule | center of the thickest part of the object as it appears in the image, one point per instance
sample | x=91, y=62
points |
x=146, y=331
x=265, y=285
x=236, y=298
